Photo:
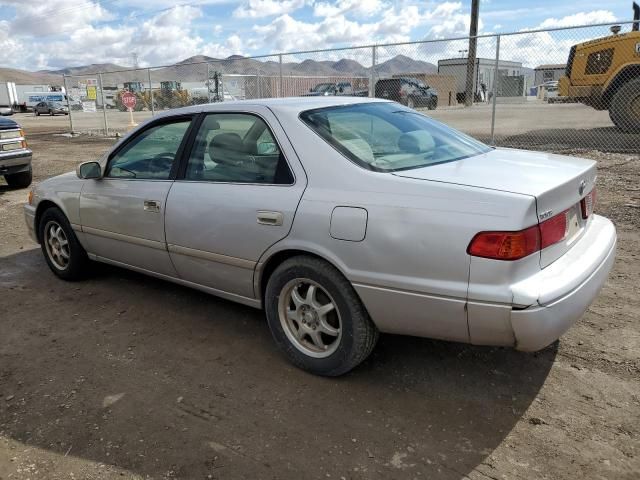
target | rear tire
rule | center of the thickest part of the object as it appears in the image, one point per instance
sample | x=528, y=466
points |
x=19, y=180
x=62, y=251
x=624, y=110
x=326, y=332
x=37, y=113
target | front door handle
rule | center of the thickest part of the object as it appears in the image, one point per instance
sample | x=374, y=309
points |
x=270, y=218
x=151, y=206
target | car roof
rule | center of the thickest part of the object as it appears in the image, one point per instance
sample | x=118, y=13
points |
x=6, y=123
x=290, y=104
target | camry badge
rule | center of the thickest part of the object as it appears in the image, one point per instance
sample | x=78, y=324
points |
x=581, y=187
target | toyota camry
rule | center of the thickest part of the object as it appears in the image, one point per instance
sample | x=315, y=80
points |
x=341, y=217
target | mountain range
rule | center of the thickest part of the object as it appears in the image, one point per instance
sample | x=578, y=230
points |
x=195, y=69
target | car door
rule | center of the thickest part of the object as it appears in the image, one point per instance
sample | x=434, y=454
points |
x=122, y=214
x=236, y=196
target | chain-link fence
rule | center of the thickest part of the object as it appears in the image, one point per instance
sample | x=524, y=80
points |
x=561, y=89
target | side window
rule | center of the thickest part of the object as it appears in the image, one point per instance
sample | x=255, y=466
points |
x=237, y=148
x=151, y=154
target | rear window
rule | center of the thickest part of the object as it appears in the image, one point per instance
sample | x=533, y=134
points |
x=387, y=137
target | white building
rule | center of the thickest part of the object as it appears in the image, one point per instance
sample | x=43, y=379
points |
x=548, y=73
x=484, y=74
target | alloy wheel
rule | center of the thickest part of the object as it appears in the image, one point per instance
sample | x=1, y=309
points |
x=57, y=245
x=310, y=318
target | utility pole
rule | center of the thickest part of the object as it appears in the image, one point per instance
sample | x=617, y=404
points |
x=471, y=57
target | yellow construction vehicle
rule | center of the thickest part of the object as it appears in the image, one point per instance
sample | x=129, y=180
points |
x=605, y=74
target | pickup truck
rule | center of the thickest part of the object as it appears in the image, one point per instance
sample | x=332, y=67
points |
x=337, y=89
x=15, y=157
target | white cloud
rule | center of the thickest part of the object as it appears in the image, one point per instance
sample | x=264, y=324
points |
x=162, y=39
x=232, y=46
x=286, y=33
x=582, y=18
x=533, y=49
x=363, y=8
x=37, y=18
x=10, y=47
x=267, y=8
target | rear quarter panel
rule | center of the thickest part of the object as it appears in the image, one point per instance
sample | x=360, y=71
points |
x=416, y=237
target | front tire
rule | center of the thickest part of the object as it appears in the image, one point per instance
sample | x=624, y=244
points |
x=62, y=251
x=624, y=110
x=19, y=180
x=316, y=317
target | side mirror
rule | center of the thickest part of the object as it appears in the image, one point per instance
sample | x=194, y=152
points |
x=89, y=170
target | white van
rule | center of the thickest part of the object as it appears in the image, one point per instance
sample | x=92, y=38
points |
x=32, y=98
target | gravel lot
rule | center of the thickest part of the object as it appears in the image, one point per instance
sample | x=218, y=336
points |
x=125, y=376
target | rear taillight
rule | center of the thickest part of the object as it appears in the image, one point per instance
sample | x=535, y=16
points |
x=517, y=245
x=554, y=230
x=588, y=203
x=505, y=245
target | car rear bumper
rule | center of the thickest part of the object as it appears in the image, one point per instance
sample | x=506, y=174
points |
x=545, y=305
x=566, y=288
x=15, y=161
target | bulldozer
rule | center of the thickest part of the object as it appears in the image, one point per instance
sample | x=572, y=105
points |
x=171, y=95
x=604, y=73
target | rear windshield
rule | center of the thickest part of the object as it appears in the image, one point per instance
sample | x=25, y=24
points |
x=387, y=137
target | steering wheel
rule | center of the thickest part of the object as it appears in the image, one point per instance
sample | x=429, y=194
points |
x=162, y=161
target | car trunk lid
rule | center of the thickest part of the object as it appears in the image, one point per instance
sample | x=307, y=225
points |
x=557, y=182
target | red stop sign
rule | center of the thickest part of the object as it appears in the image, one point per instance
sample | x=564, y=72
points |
x=129, y=100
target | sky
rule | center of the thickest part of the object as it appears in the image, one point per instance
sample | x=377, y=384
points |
x=51, y=34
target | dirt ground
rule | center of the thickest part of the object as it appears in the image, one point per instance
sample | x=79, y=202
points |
x=125, y=376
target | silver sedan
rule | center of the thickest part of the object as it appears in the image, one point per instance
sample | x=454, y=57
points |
x=341, y=218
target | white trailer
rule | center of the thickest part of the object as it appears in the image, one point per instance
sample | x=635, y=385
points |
x=8, y=94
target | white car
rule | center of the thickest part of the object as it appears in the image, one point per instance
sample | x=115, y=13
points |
x=341, y=217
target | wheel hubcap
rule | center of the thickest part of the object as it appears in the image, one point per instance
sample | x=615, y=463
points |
x=57, y=245
x=309, y=318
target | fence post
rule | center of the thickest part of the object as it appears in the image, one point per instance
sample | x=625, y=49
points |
x=104, y=106
x=153, y=111
x=208, y=82
x=66, y=92
x=281, y=87
x=495, y=92
x=372, y=81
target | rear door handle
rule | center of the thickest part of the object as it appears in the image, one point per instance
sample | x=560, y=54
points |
x=270, y=218
x=151, y=206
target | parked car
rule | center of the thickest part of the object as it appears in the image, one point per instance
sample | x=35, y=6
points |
x=50, y=108
x=15, y=156
x=6, y=111
x=408, y=91
x=337, y=89
x=341, y=218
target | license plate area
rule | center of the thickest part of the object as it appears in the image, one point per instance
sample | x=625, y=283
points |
x=6, y=147
x=587, y=204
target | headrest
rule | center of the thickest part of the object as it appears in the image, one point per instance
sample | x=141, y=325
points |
x=230, y=141
x=226, y=148
x=418, y=141
x=359, y=148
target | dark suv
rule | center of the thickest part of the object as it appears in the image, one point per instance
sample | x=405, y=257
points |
x=408, y=91
x=15, y=157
